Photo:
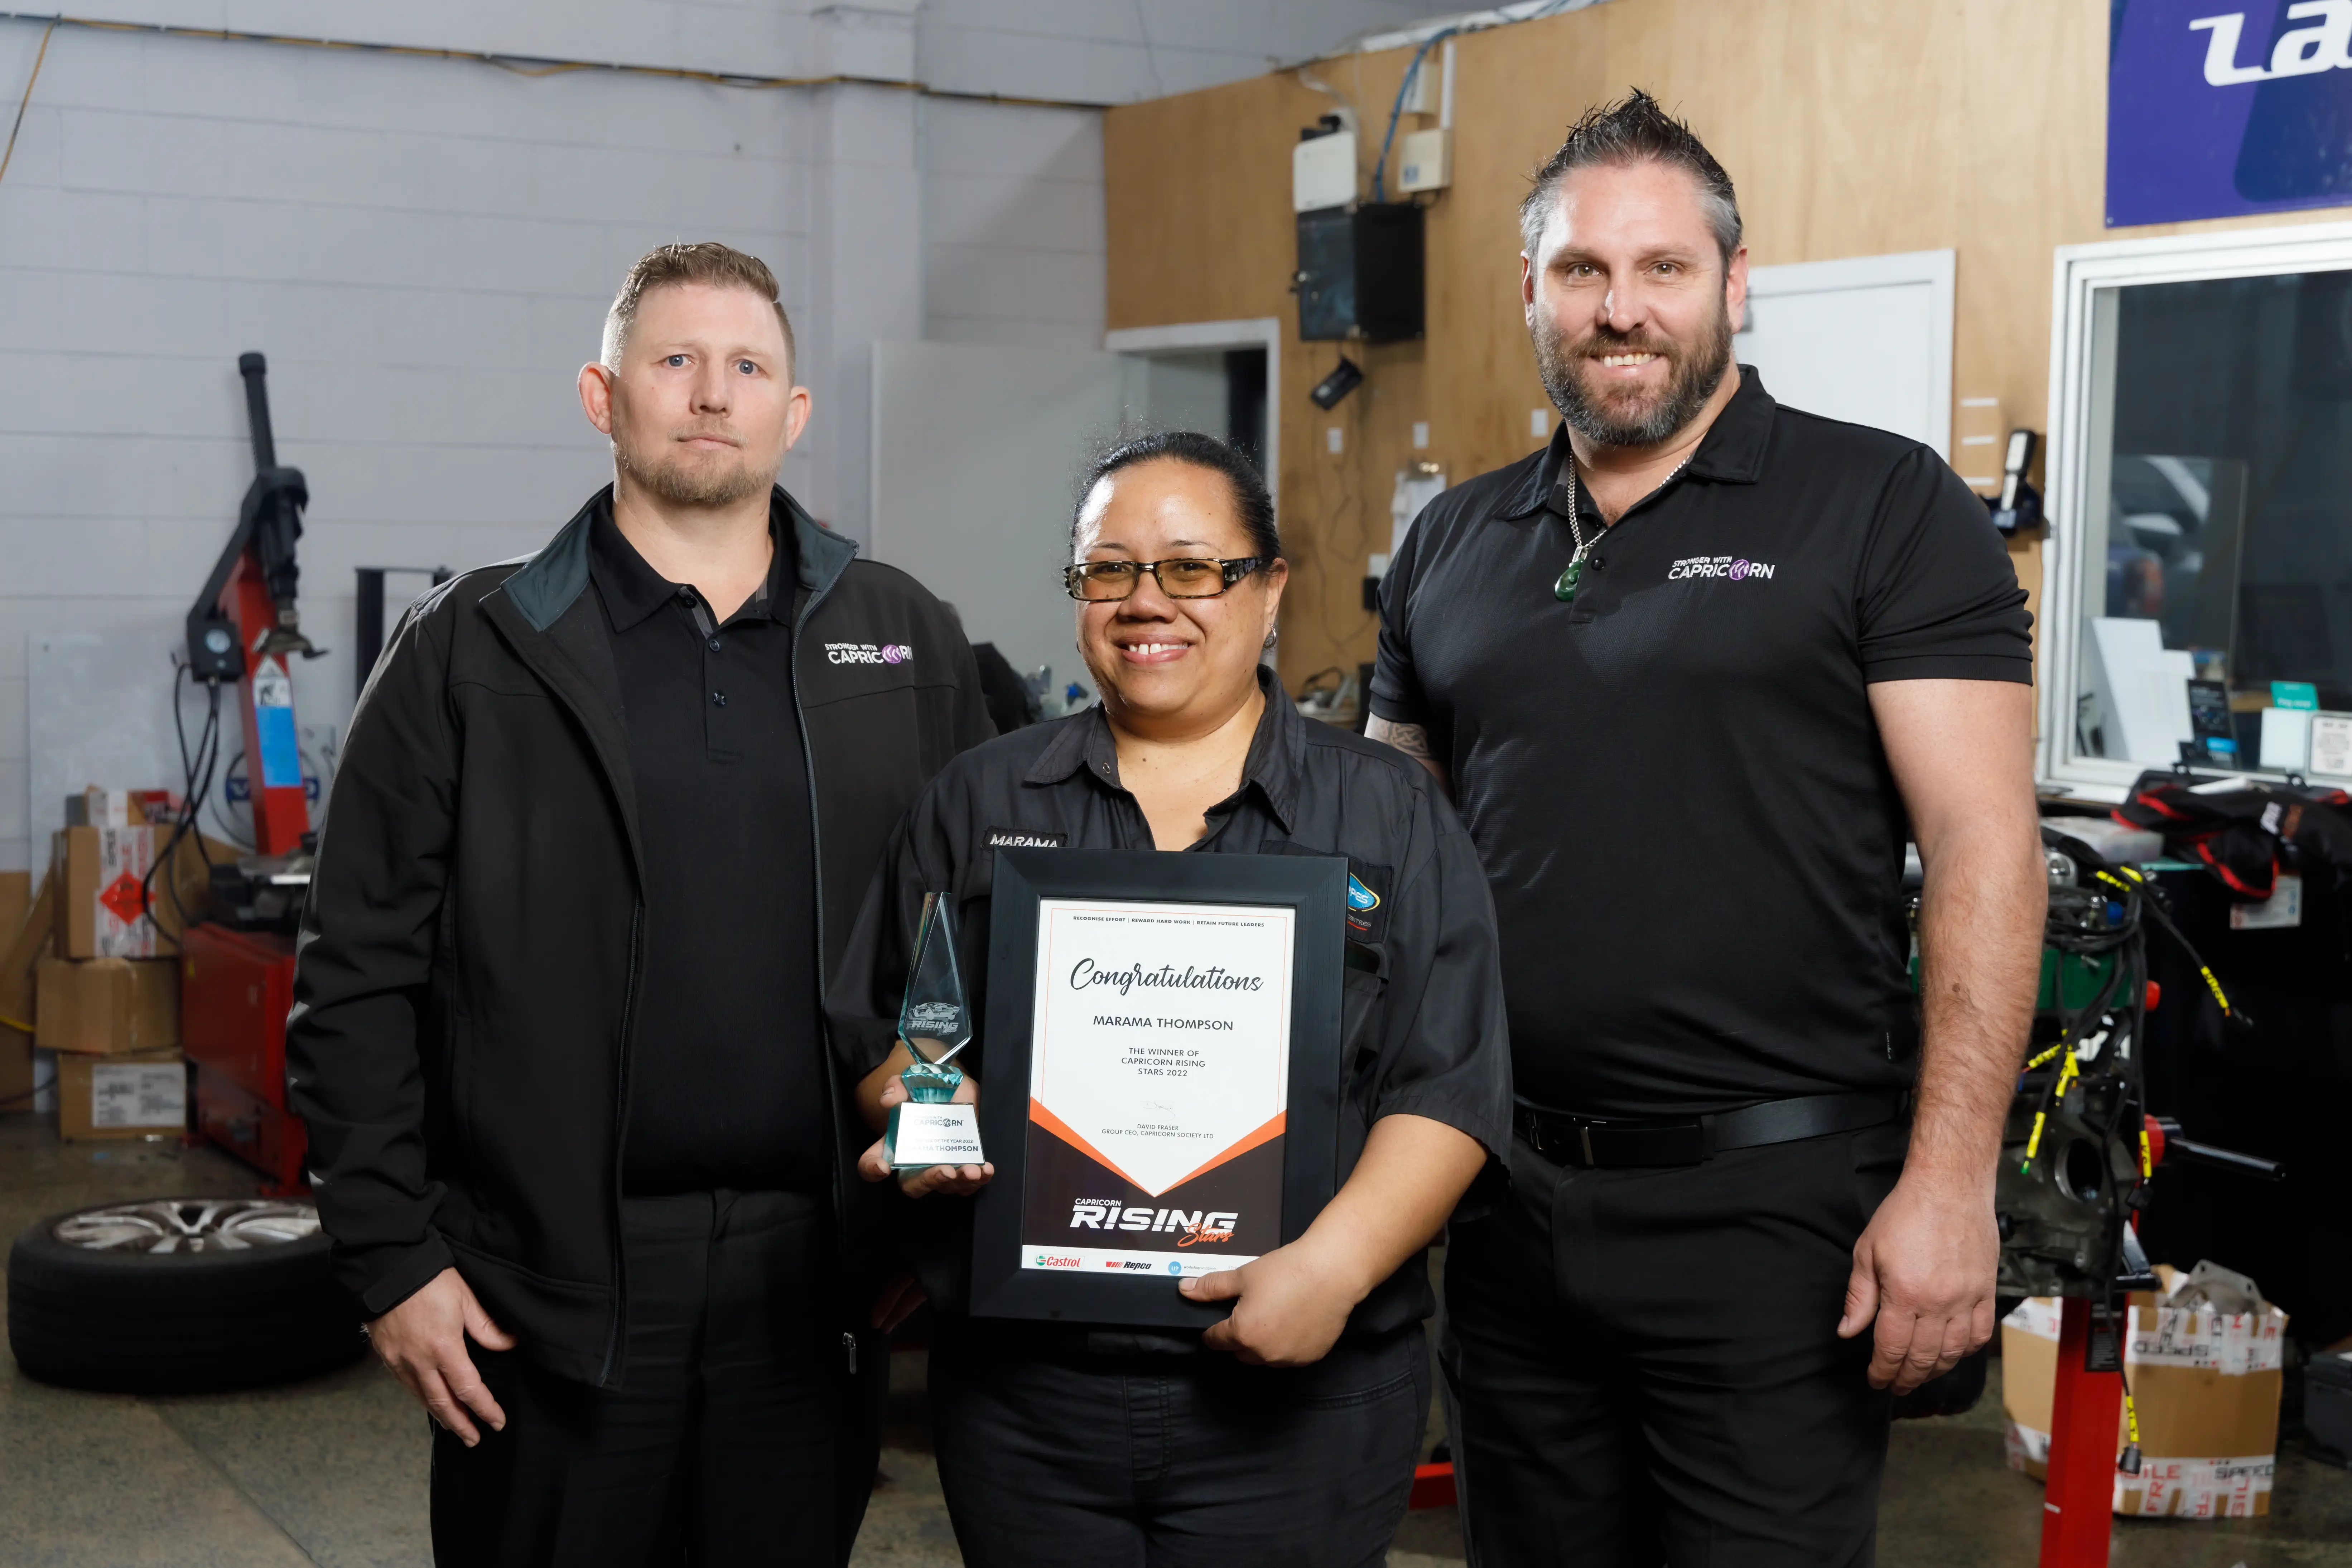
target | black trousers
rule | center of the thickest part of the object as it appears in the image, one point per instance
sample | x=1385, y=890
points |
x=1643, y=1366
x=738, y=1434
x=1174, y=1461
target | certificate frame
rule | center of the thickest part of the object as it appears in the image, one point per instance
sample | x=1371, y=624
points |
x=1315, y=889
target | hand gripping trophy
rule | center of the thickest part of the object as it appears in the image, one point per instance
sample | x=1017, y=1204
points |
x=935, y=1023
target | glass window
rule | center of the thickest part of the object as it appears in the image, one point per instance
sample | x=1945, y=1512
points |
x=2210, y=564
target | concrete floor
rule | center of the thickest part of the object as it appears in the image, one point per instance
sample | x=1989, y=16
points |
x=332, y=1472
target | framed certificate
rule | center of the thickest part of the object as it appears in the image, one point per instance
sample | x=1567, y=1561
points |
x=1160, y=1092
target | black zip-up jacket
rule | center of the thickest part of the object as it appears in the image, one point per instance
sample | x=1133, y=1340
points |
x=475, y=935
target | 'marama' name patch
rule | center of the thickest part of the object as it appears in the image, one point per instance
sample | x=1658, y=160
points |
x=1025, y=839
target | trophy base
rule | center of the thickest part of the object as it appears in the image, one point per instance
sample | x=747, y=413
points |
x=921, y=1136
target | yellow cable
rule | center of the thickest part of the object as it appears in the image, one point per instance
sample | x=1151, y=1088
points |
x=2041, y=1118
x=2211, y=983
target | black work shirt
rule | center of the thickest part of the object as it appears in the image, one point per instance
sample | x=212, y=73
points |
x=1422, y=1014
x=727, y=1082
x=1674, y=779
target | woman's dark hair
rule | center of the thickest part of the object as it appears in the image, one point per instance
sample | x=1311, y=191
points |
x=1251, y=501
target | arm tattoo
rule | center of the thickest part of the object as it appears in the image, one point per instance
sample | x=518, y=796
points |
x=1412, y=740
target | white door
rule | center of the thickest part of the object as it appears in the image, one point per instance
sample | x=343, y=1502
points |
x=1867, y=339
x=978, y=453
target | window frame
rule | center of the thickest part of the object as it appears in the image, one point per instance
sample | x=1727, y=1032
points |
x=2080, y=272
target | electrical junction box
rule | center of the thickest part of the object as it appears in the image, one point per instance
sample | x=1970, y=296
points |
x=1426, y=161
x=1323, y=172
x=1359, y=273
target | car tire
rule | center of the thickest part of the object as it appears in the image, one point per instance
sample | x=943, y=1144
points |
x=178, y=1295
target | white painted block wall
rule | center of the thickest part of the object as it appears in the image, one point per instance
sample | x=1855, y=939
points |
x=1012, y=225
x=425, y=250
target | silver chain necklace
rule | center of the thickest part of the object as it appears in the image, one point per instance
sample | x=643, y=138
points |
x=1565, y=589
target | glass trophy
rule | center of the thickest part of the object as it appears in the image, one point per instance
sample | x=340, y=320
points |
x=935, y=1023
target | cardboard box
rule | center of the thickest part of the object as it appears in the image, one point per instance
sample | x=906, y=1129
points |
x=15, y=1071
x=106, y=1007
x=99, y=875
x=16, y=903
x=20, y=956
x=2206, y=1385
x=102, y=1098
x=96, y=808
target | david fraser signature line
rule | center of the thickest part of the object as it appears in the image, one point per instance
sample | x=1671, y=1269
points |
x=1168, y=977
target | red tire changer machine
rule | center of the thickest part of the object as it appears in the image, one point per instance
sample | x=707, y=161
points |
x=236, y=968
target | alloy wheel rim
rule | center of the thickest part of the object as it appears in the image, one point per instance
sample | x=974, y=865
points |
x=190, y=1225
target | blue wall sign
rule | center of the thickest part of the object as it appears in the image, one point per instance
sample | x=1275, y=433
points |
x=2221, y=106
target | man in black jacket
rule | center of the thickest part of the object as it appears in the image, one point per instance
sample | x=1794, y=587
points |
x=604, y=820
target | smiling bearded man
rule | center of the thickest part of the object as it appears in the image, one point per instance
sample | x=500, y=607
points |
x=559, y=1034
x=1579, y=376
x=1691, y=672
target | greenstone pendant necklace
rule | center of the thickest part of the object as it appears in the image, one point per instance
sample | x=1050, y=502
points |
x=1565, y=589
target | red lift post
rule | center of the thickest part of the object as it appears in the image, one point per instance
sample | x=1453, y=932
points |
x=2078, y=1499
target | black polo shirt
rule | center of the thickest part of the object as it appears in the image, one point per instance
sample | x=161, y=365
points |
x=1674, y=780
x=727, y=1082
x=1421, y=1015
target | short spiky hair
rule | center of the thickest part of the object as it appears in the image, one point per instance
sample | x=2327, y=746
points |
x=1634, y=132
x=722, y=265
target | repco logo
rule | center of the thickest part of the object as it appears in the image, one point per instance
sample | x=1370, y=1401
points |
x=1732, y=569
x=2325, y=46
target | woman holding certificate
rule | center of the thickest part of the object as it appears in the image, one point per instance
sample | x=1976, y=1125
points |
x=1187, y=1326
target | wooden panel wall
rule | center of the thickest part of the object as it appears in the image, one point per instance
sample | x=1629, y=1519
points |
x=1850, y=127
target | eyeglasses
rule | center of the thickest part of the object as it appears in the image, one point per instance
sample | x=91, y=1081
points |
x=1182, y=578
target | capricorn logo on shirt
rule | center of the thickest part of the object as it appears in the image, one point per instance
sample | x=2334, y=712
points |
x=1731, y=568
x=868, y=653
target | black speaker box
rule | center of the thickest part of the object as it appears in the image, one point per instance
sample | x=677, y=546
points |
x=1359, y=273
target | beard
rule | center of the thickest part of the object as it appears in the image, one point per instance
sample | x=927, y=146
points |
x=699, y=480
x=1630, y=417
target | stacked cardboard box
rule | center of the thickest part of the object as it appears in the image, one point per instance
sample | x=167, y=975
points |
x=112, y=900
x=106, y=984
x=106, y=1007
x=141, y=1095
x=115, y=1026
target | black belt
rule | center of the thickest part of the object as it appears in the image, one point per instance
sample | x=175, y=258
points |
x=1605, y=1142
